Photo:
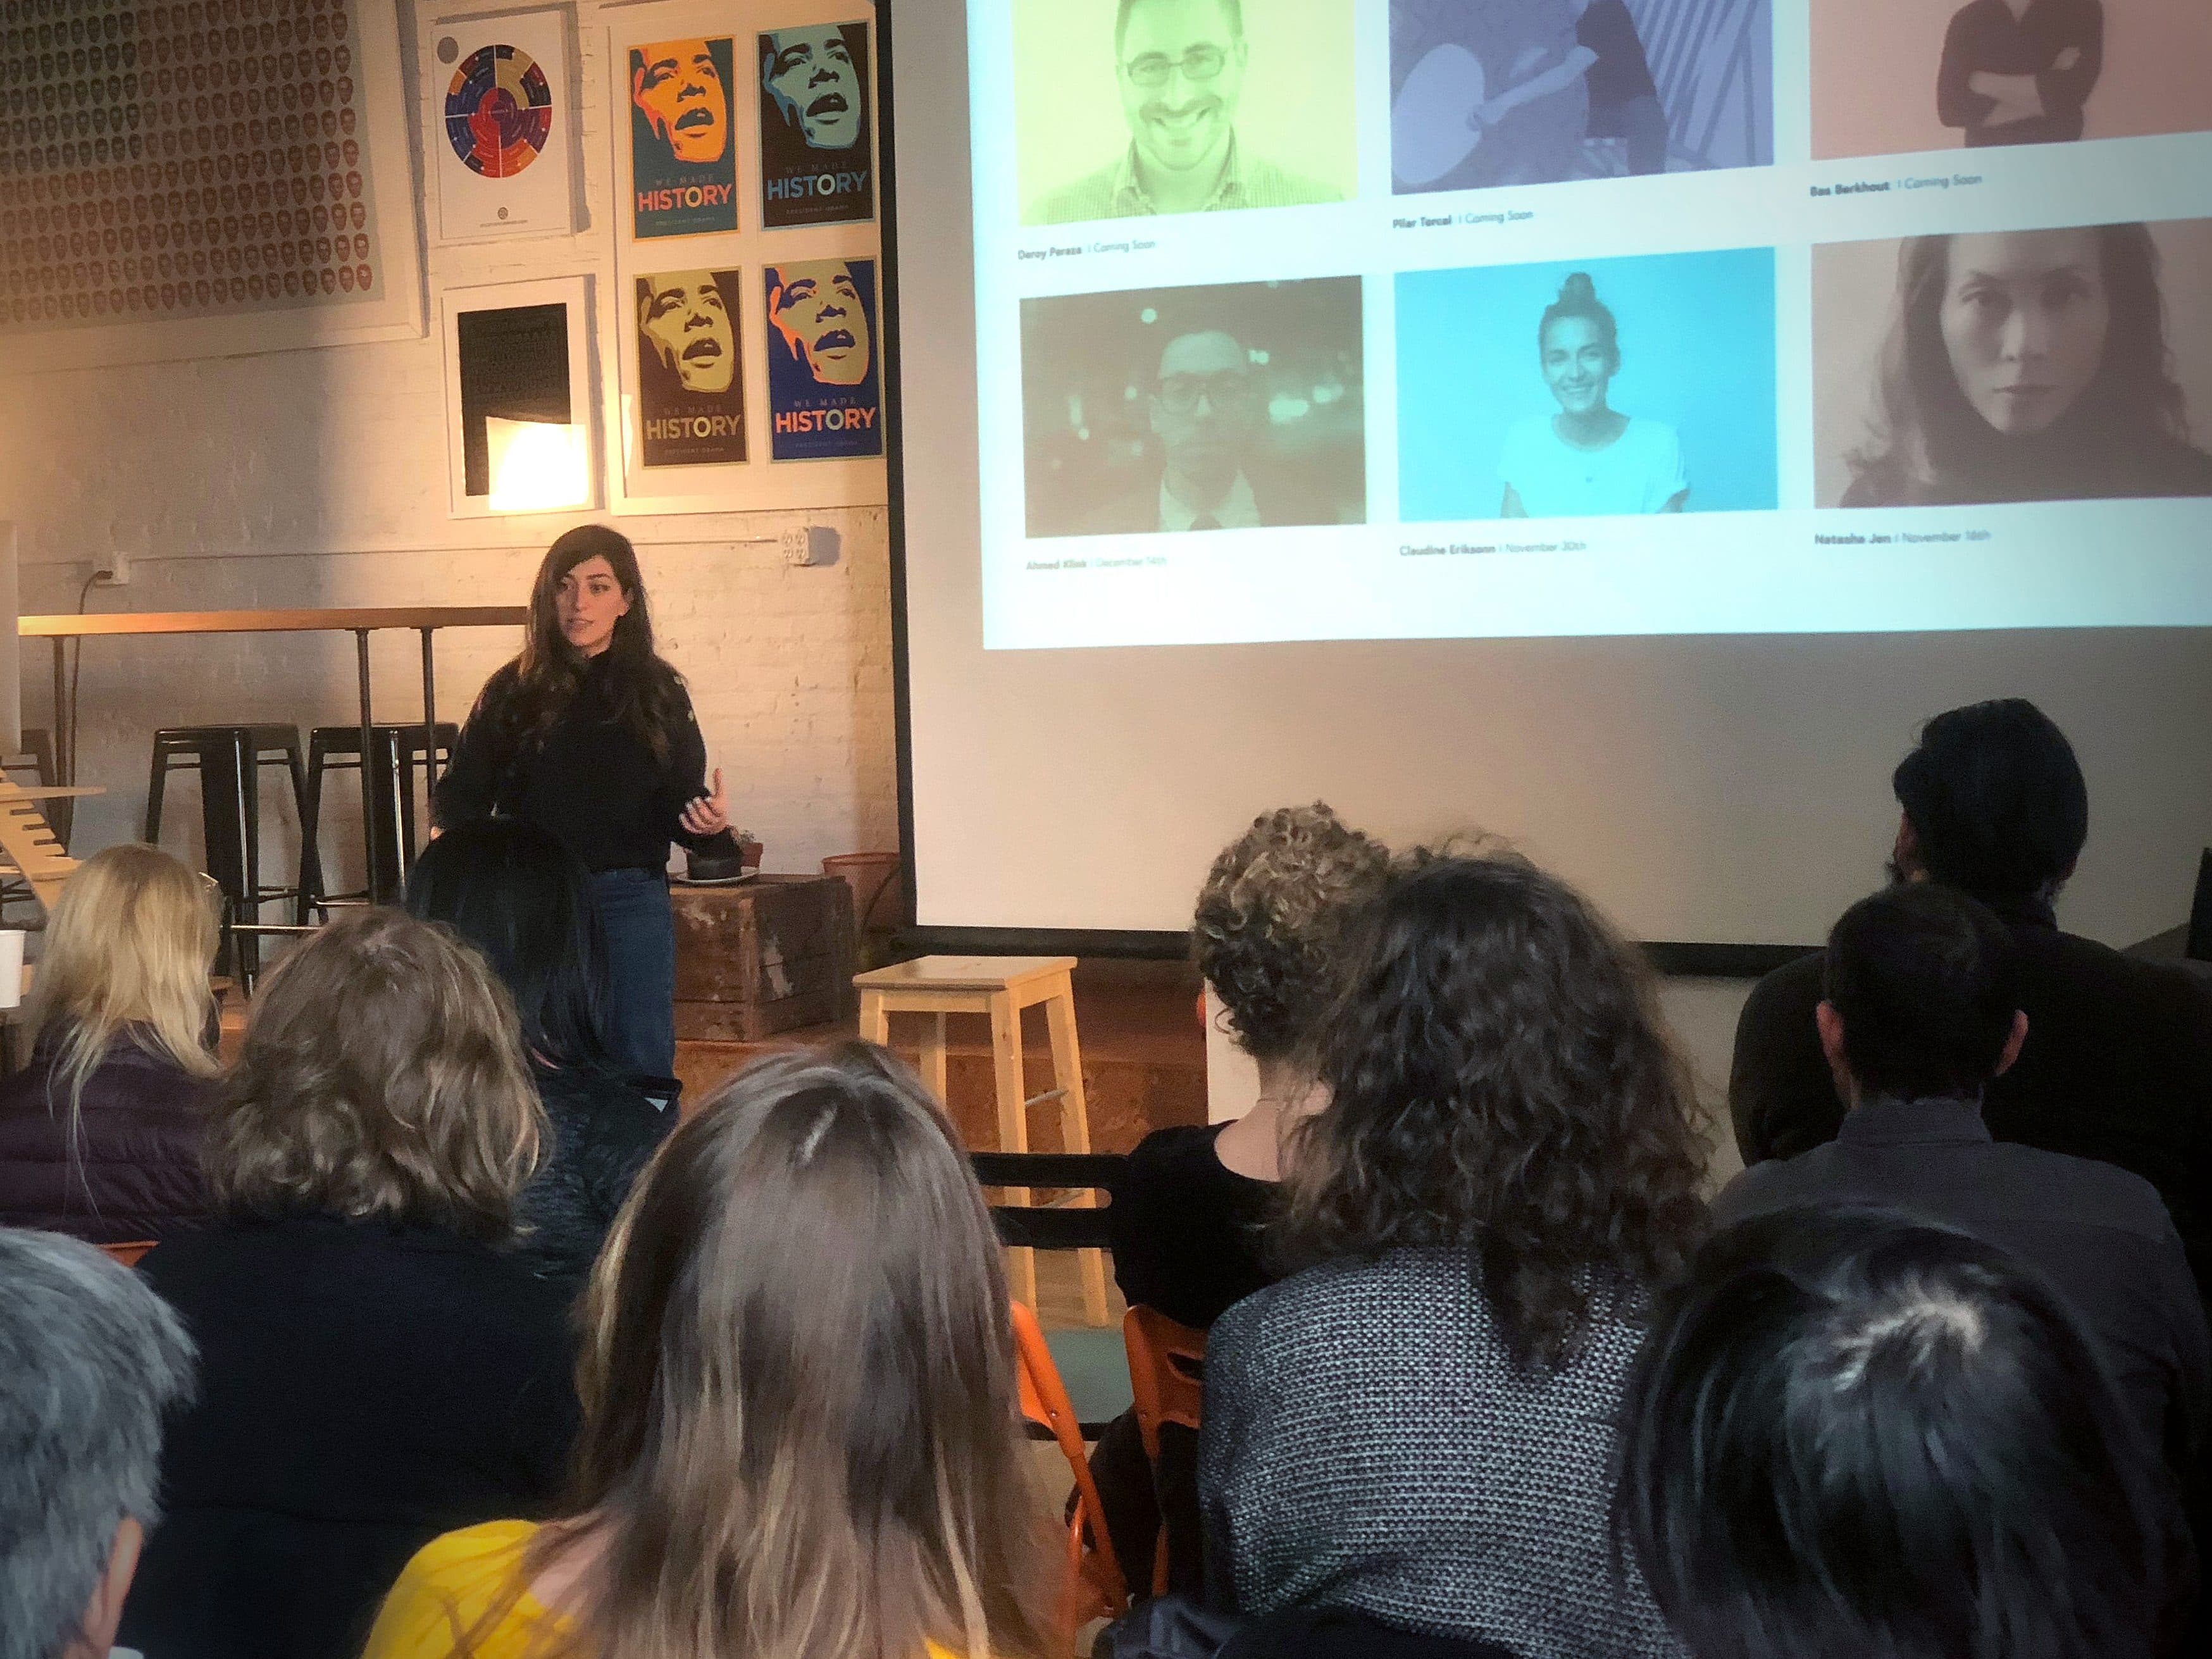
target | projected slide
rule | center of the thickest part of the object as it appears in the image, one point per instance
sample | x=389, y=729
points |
x=1319, y=319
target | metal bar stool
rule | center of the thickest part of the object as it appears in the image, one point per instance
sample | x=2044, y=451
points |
x=396, y=752
x=229, y=759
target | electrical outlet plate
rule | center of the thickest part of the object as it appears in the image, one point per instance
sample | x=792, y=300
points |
x=796, y=550
x=114, y=569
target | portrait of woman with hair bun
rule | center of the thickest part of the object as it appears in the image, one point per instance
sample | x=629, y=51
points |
x=1590, y=460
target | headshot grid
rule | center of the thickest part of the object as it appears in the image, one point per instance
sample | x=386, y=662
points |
x=814, y=104
x=1598, y=388
x=1128, y=108
x=690, y=383
x=2071, y=364
x=1896, y=76
x=1178, y=409
x=1485, y=92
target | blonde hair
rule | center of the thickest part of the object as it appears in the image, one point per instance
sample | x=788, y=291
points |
x=382, y=1074
x=126, y=957
x=801, y=1428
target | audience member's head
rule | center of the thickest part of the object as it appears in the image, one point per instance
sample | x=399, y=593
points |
x=126, y=955
x=513, y=891
x=90, y=1358
x=1500, y=1082
x=1273, y=919
x=1921, y=996
x=382, y=1074
x=1851, y=1433
x=799, y=1399
x=1995, y=803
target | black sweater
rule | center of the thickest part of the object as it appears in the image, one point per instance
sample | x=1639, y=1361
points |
x=362, y=1388
x=1985, y=35
x=591, y=781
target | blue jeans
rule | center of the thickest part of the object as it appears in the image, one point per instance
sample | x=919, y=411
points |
x=640, y=934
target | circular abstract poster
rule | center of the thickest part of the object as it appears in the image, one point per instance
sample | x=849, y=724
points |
x=499, y=111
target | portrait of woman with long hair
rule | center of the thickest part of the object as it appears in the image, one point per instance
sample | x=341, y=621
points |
x=590, y=734
x=2027, y=366
x=1588, y=458
x=800, y=1434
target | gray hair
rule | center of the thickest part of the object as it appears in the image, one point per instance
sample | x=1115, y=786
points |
x=90, y=1358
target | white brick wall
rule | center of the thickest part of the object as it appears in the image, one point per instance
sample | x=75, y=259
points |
x=318, y=478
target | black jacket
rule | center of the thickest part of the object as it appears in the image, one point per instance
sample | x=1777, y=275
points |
x=362, y=1388
x=134, y=1171
x=590, y=782
x=2117, y=1066
x=2098, y=1234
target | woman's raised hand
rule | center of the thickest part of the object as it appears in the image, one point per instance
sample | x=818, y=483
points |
x=707, y=815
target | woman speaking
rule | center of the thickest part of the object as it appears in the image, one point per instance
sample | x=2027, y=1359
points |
x=1590, y=460
x=591, y=736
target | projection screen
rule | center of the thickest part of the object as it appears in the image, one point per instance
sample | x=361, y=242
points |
x=1610, y=425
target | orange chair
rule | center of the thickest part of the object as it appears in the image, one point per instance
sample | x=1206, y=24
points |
x=128, y=1255
x=1167, y=1370
x=1095, y=1589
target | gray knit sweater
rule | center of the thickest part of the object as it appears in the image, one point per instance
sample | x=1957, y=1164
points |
x=1369, y=1443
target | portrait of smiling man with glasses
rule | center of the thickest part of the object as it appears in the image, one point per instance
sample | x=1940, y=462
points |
x=1180, y=66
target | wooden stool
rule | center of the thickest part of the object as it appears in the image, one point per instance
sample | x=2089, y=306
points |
x=1000, y=988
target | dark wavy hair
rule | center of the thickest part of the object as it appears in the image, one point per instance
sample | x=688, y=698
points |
x=647, y=693
x=1925, y=431
x=1500, y=1083
x=1851, y=1433
x=1272, y=918
x=513, y=891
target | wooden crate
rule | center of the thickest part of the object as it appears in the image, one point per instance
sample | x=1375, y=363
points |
x=765, y=956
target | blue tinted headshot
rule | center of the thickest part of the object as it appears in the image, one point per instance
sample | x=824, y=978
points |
x=1590, y=389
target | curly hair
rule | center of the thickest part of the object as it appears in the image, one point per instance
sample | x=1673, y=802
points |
x=1270, y=930
x=1500, y=1083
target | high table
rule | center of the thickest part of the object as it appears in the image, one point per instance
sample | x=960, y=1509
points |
x=425, y=620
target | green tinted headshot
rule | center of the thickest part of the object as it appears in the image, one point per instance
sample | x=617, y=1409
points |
x=1193, y=113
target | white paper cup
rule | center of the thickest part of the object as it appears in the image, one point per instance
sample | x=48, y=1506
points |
x=12, y=967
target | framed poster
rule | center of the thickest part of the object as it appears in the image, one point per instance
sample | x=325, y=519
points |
x=690, y=402
x=502, y=120
x=823, y=364
x=817, y=122
x=683, y=171
x=521, y=435
x=279, y=214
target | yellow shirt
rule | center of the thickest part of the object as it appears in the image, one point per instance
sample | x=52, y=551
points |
x=449, y=1586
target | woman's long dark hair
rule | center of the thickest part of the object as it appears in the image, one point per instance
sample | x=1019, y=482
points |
x=523, y=899
x=646, y=695
x=1926, y=434
x=1500, y=1083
